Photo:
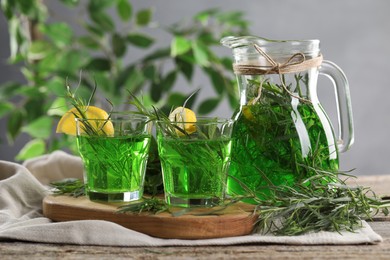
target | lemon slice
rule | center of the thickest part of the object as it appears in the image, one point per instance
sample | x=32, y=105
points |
x=246, y=111
x=186, y=117
x=67, y=123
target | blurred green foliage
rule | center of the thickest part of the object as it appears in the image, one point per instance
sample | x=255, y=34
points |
x=51, y=55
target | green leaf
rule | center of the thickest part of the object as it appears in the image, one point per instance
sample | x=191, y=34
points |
x=118, y=45
x=28, y=73
x=233, y=17
x=18, y=41
x=9, y=89
x=156, y=92
x=179, y=46
x=14, y=124
x=26, y=7
x=71, y=62
x=207, y=38
x=208, y=105
x=176, y=99
x=156, y=55
x=204, y=16
x=39, y=13
x=123, y=76
x=147, y=100
x=200, y=53
x=217, y=80
x=49, y=63
x=135, y=80
x=124, y=9
x=106, y=84
x=168, y=82
x=34, y=107
x=60, y=33
x=99, y=5
x=227, y=63
x=7, y=8
x=140, y=40
x=233, y=100
x=185, y=67
x=30, y=91
x=71, y=3
x=89, y=42
x=31, y=149
x=39, y=128
x=97, y=31
x=99, y=64
x=233, y=93
x=103, y=20
x=150, y=73
x=6, y=107
x=58, y=108
x=144, y=17
x=38, y=50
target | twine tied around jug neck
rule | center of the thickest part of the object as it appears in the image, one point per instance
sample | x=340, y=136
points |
x=296, y=63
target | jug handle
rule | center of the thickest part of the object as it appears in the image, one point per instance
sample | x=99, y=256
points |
x=345, y=137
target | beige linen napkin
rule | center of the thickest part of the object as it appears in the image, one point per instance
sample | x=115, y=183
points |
x=21, y=217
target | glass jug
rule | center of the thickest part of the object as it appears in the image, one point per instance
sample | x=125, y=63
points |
x=282, y=132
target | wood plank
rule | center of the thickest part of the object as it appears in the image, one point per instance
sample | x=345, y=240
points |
x=239, y=218
x=380, y=184
x=20, y=250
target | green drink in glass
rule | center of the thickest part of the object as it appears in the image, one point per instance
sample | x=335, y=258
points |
x=268, y=150
x=115, y=159
x=195, y=165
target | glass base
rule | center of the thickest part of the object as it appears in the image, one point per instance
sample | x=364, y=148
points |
x=192, y=202
x=114, y=197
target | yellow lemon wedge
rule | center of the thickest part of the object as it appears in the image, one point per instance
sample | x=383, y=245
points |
x=67, y=123
x=187, y=117
x=246, y=111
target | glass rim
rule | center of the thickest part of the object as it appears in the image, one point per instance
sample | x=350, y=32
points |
x=238, y=41
x=244, y=50
x=200, y=120
x=126, y=117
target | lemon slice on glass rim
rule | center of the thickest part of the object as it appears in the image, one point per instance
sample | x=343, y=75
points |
x=185, y=118
x=67, y=123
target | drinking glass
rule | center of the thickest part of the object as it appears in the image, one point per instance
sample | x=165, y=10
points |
x=114, y=152
x=194, y=163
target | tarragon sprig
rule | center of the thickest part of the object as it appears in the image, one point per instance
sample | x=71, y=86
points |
x=322, y=202
x=70, y=187
x=152, y=205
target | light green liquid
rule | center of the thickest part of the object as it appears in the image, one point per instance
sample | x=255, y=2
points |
x=267, y=149
x=114, y=166
x=194, y=171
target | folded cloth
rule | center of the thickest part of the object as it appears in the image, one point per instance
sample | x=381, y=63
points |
x=21, y=218
x=55, y=166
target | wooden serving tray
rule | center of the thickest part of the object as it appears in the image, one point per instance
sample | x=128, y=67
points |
x=235, y=220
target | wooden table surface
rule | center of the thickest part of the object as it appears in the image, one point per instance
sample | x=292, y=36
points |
x=380, y=184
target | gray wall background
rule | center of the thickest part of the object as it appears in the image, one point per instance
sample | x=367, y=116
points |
x=355, y=34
